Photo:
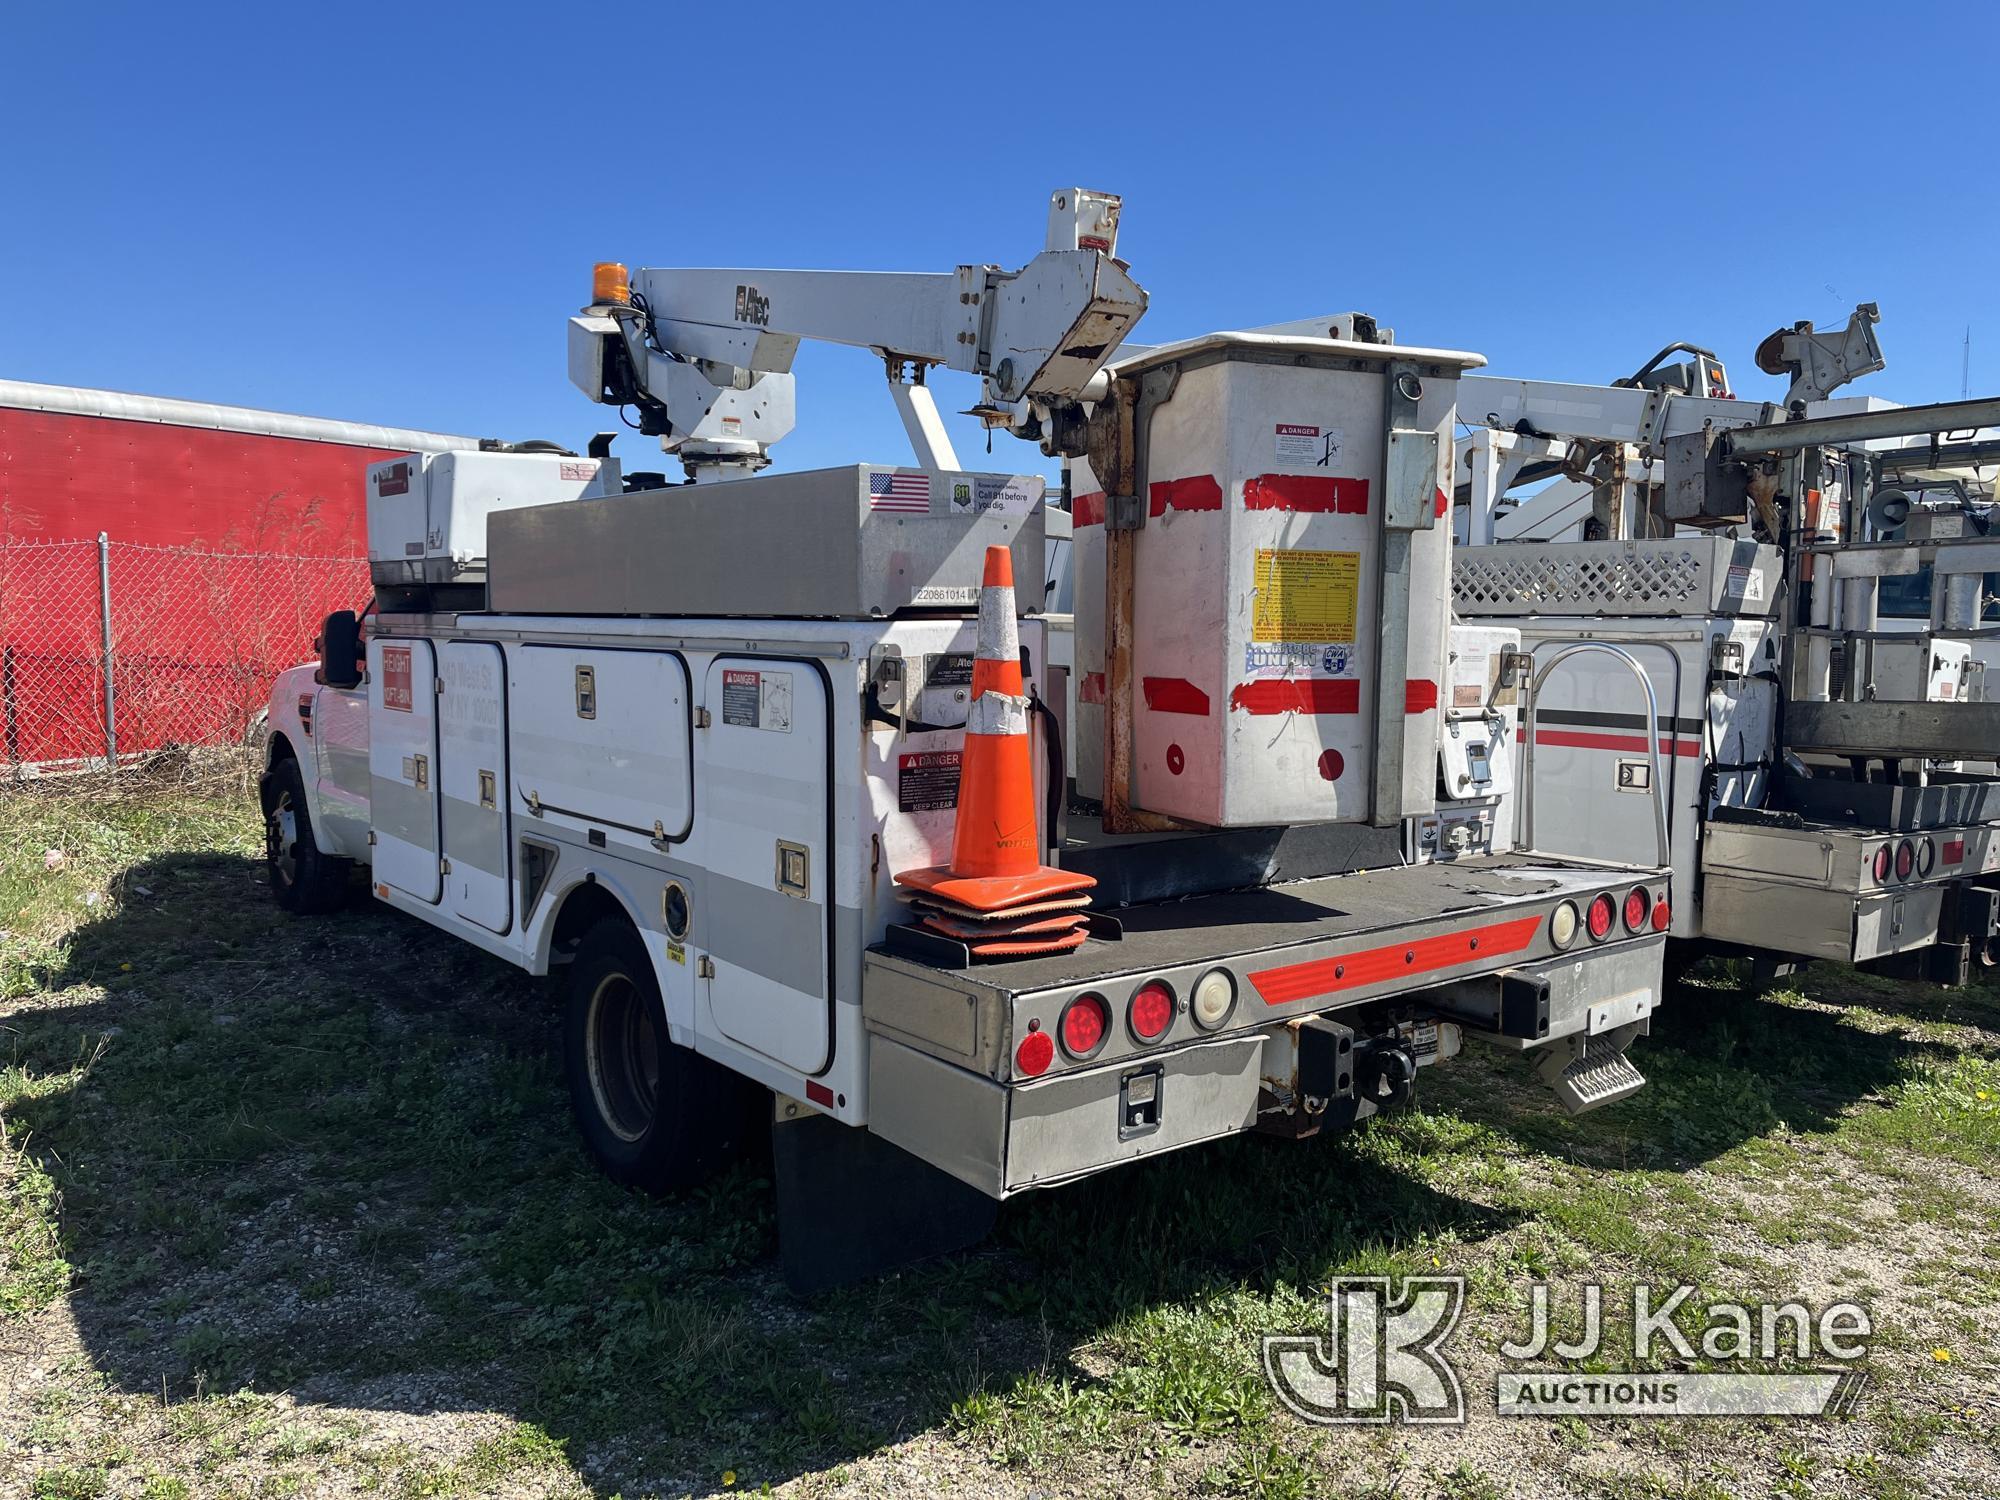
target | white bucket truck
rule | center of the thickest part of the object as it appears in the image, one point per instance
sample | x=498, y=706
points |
x=678, y=742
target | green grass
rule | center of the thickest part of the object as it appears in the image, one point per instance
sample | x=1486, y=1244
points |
x=298, y=1185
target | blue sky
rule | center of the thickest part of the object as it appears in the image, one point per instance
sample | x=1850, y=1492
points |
x=386, y=213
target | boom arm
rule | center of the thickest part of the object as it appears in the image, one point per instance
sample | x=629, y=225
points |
x=706, y=355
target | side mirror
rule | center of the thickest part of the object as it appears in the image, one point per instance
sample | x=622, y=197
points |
x=340, y=650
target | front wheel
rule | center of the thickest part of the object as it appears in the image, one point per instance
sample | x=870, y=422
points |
x=654, y=1113
x=305, y=878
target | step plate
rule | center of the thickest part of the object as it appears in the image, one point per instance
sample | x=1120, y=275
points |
x=1603, y=1074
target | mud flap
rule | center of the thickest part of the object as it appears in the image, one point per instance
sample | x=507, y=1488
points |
x=1587, y=1072
x=852, y=1207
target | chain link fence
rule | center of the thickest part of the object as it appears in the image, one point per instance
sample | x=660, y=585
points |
x=112, y=651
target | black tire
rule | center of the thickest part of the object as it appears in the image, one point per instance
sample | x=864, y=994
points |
x=655, y=1114
x=306, y=880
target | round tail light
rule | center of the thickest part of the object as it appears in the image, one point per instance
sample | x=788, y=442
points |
x=1906, y=859
x=1563, y=923
x=1926, y=857
x=1663, y=916
x=1085, y=1022
x=1638, y=902
x=1603, y=912
x=1884, y=860
x=1151, y=1011
x=1213, y=999
x=1033, y=1056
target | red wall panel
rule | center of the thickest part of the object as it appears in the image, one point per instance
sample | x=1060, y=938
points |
x=210, y=596
x=64, y=476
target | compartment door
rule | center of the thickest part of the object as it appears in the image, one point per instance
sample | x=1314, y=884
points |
x=402, y=764
x=762, y=816
x=600, y=741
x=472, y=782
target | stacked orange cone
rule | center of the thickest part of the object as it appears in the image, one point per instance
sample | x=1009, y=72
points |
x=996, y=895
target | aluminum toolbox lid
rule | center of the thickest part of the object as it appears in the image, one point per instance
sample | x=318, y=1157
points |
x=1226, y=344
x=863, y=541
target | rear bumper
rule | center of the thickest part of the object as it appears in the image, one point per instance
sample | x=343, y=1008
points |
x=1812, y=891
x=1818, y=923
x=1006, y=1138
x=1590, y=994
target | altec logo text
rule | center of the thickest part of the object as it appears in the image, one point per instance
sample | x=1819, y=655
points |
x=1384, y=1358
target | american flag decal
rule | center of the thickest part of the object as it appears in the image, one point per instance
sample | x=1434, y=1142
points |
x=900, y=492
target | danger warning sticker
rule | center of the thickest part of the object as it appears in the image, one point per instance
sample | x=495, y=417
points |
x=396, y=679
x=1305, y=596
x=757, y=700
x=927, y=781
x=1306, y=443
x=1747, y=582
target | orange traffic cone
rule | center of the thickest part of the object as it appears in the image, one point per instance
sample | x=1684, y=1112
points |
x=996, y=877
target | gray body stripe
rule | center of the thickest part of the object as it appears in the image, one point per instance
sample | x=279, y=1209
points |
x=401, y=811
x=847, y=955
x=765, y=931
x=745, y=926
x=472, y=837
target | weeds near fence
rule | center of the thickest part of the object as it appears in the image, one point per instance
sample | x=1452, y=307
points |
x=114, y=650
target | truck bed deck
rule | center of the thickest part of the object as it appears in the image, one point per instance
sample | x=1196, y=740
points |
x=1332, y=911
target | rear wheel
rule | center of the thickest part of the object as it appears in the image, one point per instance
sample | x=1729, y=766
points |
x=654, y=1113
x=305, y=879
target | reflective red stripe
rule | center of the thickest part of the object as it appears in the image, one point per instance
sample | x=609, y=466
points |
x=1420, y=695
x=1298, y=695
x=1443, y=502
x=1196, y=492
x=819, y=1093
x=1087, y=510
x=1347, y=971
x=1580, y=740
x=1317, y=492
x=1174, y=695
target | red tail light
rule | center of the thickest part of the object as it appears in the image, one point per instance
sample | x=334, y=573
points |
x=1638, y=901
x=1662, y=916
x=1603, y=912
x=1085, y=1020
x=1033, y=1056
x=1906, y=859
x=1883, y=858
x=1151, y=1011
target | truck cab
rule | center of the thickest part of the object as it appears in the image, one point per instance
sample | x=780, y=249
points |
x=314, y=792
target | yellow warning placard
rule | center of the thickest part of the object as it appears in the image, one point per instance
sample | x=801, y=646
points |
x=1305, y=596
